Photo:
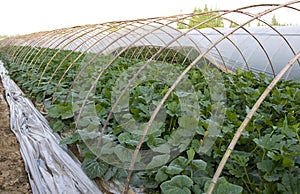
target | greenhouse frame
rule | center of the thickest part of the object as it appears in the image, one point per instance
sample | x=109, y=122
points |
x=153, y=108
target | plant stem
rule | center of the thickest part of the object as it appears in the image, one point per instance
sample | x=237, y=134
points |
x=246, y=185
x=248, y=179
x=263, y=156
x=174, y=122
x=170, y=125
x=298, y=137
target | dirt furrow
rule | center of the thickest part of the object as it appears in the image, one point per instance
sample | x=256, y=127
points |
x=13, y=177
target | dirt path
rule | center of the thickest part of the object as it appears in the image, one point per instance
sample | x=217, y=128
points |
x=13, y=177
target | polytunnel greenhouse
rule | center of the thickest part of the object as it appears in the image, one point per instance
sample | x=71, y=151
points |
x=143, y=106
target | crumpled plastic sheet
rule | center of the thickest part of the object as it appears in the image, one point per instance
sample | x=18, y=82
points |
x=50, y=166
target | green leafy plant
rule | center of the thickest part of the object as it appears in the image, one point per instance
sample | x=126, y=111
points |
x=266, y=159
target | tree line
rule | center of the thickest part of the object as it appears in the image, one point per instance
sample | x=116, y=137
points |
x=209, y=18
x=2, y=36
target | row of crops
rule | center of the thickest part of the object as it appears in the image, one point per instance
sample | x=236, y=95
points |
x=151, y=107
x=186, y=141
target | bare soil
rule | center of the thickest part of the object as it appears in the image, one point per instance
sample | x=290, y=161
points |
x=13, y=177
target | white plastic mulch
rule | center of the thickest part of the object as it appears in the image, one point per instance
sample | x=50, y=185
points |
x=50, y=167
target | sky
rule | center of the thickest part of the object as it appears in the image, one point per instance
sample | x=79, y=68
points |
x=28, y=16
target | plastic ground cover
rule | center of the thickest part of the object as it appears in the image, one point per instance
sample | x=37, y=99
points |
x=51, y=167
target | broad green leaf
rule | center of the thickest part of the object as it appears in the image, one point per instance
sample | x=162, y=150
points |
x=106, y=147
x=240, y=159
x=223, y=186
x=158, y=161
x=83, y=122
x=288, y=131
x=177, y=165
x=287, y=162
x=88, y=135
x=71, y=139
x=125, y=154
x=191, y=154
x=188, y=123
x=127, y=138
x=272, y=177
x=161, y=175
x=232, y=116
x=155, y=142
x=182, y=94
x=164, y=148
x=197, y=189
x=198, y=164
x=55, y=111
x=235, y=170
x=270, y=142
x=58, y=126
x=177, y=185
x=290, y=184
x=67, y=112
x=110, y=173
x=265, y=166
x=94, y=168
x=173, y=109
x=173, y=170
x=200, y=130
x=196, y=144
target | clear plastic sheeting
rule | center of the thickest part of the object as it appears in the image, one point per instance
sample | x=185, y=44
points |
x=55, y=62
x=51, y=168
x=264, y=49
